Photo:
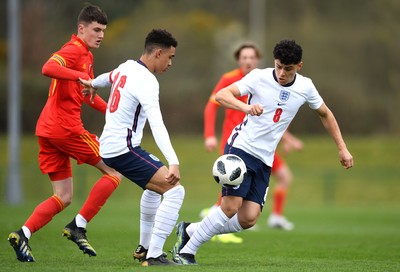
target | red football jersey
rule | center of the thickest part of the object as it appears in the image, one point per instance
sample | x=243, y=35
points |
x=61, y=116
x=232, y=117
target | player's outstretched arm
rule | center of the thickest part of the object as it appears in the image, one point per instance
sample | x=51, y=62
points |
x=53, y=69
x=161, y=137
x=331, y=125
x=227, y=98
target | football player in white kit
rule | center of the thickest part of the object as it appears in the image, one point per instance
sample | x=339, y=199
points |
x=275, y=96
x=134, y=99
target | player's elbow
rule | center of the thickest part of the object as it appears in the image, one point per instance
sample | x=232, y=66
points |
x=220, y=96
x=46, y=70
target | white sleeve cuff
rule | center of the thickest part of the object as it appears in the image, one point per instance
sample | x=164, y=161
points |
x=101, y=81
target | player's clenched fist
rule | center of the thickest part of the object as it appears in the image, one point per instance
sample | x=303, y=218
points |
x=256, y=109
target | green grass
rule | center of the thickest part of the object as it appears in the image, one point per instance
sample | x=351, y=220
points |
x=325, y=239
x=345, y=220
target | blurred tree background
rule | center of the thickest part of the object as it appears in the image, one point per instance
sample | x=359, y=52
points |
x=350, y=52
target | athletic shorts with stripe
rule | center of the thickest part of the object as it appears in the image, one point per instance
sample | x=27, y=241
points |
x=137, y=165
x=55, y=154
x=256, y=181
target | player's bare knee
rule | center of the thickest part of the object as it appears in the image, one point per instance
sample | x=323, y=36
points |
x=112, y=172
x=284, y=177
x=161, y=187
x=246, y=224
x=230, y=210
x=66, y=199
x=115, y=174
x=248, y=218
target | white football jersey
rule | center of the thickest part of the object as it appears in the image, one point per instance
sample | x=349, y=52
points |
x=134, y=99
x=260, y=135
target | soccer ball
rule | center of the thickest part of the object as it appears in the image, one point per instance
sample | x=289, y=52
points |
x=229, y=170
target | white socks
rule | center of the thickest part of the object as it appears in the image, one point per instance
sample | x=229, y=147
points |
x=165, y=219
x=80, y=221
x=211, y=225
x=232, y=226
x=27, y=232
x=149, y=204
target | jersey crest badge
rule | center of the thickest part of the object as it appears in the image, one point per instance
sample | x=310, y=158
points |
x=284, y=96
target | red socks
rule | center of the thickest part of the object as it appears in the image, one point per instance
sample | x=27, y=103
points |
x=98, y=196
x=279, y=200
x=43, y=213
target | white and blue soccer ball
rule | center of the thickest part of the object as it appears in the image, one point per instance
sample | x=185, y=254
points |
x=229, y=170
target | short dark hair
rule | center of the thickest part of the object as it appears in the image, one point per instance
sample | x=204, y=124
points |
x=288, y=52
x=91, y=13
x=159, y=38
x=237, y=52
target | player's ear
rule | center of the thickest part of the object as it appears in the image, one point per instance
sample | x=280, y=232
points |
x=81, y=27
x=158, y=52
x=299, y=66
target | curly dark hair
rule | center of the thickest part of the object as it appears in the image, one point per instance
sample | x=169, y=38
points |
x=92, y=13
x=159, y=38
x=288, y=52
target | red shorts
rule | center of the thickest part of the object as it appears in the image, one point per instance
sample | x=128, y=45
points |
x=55, y=154
x=278, y=162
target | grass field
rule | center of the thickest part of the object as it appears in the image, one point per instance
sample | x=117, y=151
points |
x=345, y=220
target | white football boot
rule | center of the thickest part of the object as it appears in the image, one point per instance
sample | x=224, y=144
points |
x=279, y=222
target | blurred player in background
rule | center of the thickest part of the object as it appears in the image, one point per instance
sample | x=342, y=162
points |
x=247, y=57
x=61, y=136
x=134, y=99
x=275, y=96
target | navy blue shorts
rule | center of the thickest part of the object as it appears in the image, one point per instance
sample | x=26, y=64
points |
x=256, y=181
x=137, y=165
